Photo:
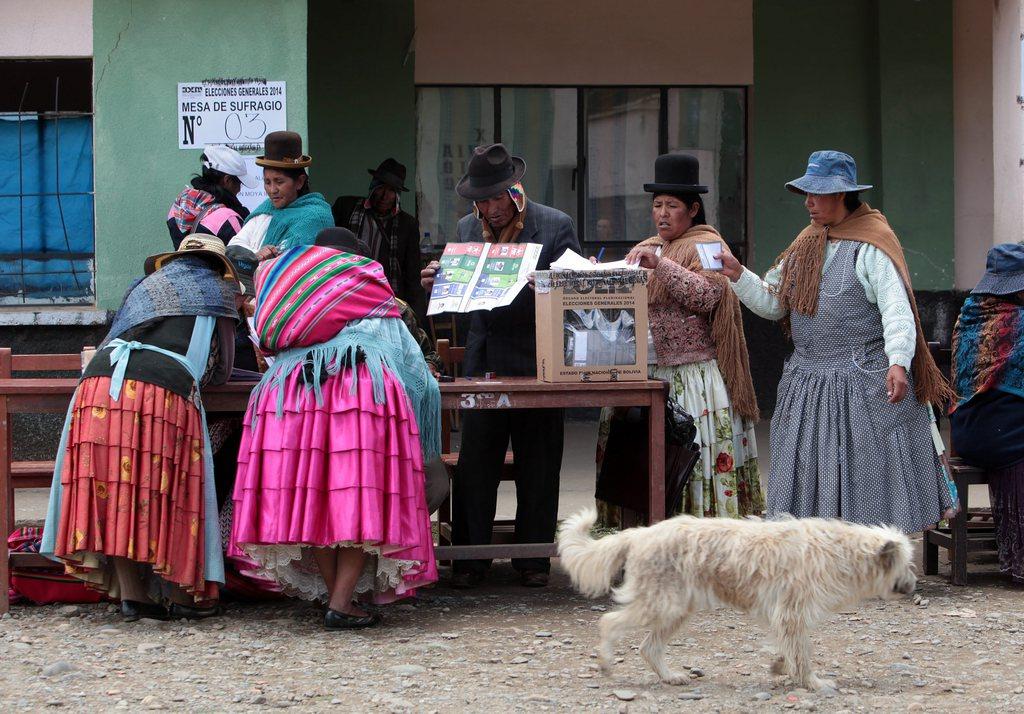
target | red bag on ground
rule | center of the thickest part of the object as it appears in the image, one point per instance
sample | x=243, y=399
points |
x=44, y=585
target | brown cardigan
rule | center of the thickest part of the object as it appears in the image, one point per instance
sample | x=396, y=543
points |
x=681, y=327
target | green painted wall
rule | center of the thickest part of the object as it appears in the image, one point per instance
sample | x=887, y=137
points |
x=870, y=78
x=142, y=50
x=362, y=96
x=916, y=70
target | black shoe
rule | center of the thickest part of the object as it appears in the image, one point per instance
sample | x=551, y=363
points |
x=466, y=580
x=133, y=611
x=335, y=620
x=534, y=578
x=188, y=612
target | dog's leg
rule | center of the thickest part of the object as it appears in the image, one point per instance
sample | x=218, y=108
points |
x=653, y=649
x=613, y=626
x=795, y=650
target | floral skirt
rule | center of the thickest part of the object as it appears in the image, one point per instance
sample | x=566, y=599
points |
x=726, y=481
x=346, y=472
x=133, y=487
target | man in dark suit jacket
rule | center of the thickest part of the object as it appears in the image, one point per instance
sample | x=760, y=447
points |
x=504, y=341
x=392, y=234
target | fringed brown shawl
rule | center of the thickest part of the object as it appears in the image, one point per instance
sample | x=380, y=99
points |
x=726, y=319
x=802, y=264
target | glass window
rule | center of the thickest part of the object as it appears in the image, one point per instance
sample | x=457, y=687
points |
x=450, y=122
x=622, y=143
x=709, y=123
x=539, y=124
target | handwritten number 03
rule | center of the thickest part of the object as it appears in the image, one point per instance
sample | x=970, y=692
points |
x=233, y=125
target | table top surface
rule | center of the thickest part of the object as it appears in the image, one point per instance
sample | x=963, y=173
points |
x=66, y=385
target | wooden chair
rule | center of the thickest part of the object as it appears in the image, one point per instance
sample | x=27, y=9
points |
x=971, y=530
x=451, y=359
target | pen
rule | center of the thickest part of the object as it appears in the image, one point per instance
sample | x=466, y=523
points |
x=600, y=253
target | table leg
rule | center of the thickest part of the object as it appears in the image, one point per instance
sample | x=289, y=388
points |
x=6, y=504
x=656, y=452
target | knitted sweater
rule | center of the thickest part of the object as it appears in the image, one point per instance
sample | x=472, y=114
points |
x=681, y=327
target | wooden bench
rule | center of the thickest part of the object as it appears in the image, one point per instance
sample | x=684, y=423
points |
x=504, y=530
x=26, y=474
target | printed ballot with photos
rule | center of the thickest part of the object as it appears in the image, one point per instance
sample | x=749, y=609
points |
x=591, y=324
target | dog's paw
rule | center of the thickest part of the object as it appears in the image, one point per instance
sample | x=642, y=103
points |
x=676, y=678
x=779, y=665
x=818, y=684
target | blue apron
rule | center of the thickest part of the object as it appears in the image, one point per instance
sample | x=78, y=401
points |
x=195, y=363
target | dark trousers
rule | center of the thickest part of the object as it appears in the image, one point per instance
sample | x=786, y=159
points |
x=537, y=436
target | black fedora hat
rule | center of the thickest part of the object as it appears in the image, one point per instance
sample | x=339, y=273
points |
x=491, y=170
x=676, y=173
x=391, y=173
x=283, y=150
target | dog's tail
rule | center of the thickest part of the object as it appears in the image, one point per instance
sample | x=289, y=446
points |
x=591, y=564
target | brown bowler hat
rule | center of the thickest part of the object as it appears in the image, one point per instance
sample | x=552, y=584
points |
x=283, y=150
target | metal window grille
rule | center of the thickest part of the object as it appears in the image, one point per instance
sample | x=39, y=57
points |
x=49, y=258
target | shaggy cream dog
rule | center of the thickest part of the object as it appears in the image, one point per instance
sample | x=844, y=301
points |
x=787, y=574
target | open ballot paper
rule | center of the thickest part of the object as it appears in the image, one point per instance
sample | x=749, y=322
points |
x=707, y=253
x=571, y=260
x=481, y=276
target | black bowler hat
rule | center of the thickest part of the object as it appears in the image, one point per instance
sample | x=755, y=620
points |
x=491, y=170
x=390, y=173
x=676, y=173
x=342, y=239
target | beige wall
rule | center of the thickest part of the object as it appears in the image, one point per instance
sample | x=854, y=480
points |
x=603, y=42
x=988, y=136
x=46, y=28
x=1007, y=122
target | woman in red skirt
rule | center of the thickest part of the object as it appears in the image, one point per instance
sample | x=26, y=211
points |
x=133, y=507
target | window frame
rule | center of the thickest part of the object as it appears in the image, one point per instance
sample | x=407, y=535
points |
x=582, y=143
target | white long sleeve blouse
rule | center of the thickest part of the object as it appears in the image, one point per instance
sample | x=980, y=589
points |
x=882, y=286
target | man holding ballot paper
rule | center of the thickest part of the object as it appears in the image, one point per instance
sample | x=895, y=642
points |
x=696, y=344
x=503, y=341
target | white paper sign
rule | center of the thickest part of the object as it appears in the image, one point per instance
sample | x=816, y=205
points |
x=252, y=197
x=239, y=113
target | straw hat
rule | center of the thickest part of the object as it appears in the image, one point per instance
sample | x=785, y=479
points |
x=196, y=244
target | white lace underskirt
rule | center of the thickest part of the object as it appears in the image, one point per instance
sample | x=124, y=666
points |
x=295, y=569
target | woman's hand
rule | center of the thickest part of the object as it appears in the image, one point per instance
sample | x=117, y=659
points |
x=731, y=268
x=896, y=384
x=644, y=256
x=267, y=252
x=427, y=275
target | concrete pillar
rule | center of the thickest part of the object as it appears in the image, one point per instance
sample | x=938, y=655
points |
x=988, y=132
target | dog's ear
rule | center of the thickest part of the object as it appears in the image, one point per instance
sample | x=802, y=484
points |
x=887, y=554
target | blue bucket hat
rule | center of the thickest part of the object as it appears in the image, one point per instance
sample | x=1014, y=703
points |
x=1004, y=270
x=828, y=172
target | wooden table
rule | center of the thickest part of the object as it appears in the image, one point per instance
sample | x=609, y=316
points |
x=52, y=395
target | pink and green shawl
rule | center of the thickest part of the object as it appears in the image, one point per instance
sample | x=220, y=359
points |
x=308, y=294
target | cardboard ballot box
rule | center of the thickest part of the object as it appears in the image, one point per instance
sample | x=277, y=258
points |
x=591, y=325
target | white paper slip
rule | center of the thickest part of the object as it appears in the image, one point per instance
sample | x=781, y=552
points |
x=707, y=253
x=571, y=260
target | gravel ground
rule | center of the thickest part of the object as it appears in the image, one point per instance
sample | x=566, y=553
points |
x=505, y=648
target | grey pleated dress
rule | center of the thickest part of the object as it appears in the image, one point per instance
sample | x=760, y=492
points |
x=838, y=448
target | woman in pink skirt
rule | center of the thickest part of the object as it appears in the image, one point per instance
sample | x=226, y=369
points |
x=329, y=499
